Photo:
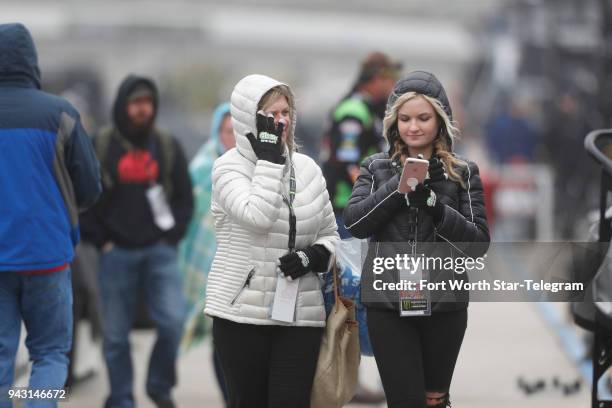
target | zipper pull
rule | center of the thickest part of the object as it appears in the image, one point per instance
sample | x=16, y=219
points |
x=248, y=280
x=246, y=283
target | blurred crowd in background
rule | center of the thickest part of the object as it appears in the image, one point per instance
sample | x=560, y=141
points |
x=529, y=78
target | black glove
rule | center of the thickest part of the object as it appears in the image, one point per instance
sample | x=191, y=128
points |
x=436, y=171
x=267, y=145
x=425, y=198
x=299, y=263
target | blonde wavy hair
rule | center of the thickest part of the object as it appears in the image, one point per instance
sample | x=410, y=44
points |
x=271, y=97
x=440, y=143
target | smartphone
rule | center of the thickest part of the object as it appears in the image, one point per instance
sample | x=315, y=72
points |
x=414, y=173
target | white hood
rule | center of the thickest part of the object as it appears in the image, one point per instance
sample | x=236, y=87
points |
x=243, y=107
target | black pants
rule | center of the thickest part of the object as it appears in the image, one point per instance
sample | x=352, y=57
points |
x=267, y=366
x=415, y=355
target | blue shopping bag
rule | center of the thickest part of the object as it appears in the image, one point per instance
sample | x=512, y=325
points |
x=348, y=257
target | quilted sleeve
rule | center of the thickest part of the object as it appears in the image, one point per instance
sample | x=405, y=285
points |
x=253, y=202
x=369, y=209
x=467, y=227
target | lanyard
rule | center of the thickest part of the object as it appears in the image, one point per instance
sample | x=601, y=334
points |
x=289, y=202
x=413, y=217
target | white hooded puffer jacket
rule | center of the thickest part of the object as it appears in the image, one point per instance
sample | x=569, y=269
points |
x=252, y=222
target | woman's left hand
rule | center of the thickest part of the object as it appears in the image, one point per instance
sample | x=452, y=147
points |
x=423, y=197
x=436, y=171
x=299, y=263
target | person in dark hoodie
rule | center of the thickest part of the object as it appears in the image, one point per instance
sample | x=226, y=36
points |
x=48, y=172
x=144, y=212
x=444, y=217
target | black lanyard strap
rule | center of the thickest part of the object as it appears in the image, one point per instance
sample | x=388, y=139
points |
x=289, y=202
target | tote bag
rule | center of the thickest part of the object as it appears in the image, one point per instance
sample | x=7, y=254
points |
x=335, y=380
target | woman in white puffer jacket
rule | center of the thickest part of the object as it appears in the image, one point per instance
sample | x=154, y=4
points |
x=269, y=226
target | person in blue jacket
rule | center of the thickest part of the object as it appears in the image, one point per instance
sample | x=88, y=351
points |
x=48, y=173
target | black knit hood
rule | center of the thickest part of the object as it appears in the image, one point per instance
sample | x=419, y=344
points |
x=424, y=83
x=120, y=118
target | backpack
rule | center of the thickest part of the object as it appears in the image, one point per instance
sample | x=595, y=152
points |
x=166, y=147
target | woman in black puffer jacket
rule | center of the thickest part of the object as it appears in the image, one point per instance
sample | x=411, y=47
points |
x=443, y=218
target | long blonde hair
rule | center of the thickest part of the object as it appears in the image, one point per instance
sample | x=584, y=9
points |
x=272, y=96
x=440, y=143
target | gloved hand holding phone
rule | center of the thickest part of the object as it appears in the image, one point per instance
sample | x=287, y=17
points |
x=436, y=171
x=421, y=195
x=268, y=143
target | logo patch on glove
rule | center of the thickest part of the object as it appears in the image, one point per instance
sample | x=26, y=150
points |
x=268, y=137
x=303, y=258
x=431, y=200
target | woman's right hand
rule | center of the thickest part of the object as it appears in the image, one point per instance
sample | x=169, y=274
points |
x=268, y=143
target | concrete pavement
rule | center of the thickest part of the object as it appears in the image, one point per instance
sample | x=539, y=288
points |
x=504, y=341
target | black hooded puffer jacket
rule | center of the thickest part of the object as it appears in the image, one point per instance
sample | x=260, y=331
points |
x=378, y=211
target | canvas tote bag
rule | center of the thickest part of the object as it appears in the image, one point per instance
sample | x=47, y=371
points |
x=335, y=380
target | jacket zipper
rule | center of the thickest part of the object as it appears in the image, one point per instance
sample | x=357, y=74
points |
x=244, y=285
